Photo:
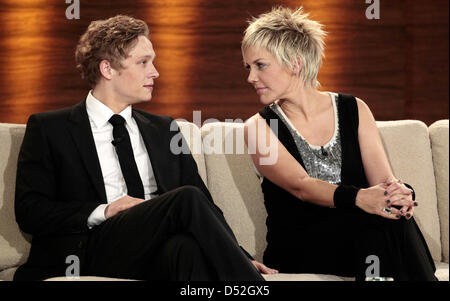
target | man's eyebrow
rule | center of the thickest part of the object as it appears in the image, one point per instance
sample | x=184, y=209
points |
x=147, y=56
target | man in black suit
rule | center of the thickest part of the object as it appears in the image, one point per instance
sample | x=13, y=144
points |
x=99, y=180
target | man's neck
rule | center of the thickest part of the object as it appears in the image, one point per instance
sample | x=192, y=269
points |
x=109, y=99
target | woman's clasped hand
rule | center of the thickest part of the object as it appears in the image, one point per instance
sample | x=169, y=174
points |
x=391, y=199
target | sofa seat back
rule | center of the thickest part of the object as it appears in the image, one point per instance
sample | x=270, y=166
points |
x=439, y=138
x=14, y=244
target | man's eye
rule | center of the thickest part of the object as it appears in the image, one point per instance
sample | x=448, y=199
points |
x=247, y=67
x=144, y=62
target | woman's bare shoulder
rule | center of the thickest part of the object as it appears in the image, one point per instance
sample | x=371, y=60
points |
x=253, y=119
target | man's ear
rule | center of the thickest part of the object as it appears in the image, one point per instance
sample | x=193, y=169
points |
x=106, y=69
x=297, y=67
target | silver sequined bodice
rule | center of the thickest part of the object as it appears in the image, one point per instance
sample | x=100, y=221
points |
x=321, y=162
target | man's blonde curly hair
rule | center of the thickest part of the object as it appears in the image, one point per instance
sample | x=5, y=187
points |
x=289, y=35
x=110, y=40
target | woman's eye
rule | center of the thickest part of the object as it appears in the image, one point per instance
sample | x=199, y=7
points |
x=144, y=62
x=260, y=65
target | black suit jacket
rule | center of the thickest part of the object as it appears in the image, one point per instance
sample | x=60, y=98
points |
x=59, y=182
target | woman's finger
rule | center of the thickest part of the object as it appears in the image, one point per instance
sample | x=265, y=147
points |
x=267, y=270
x=389, y=212
x=409, y=213
x=403, y=210
x=393, y=187
x=262, y=268
x=399, y=200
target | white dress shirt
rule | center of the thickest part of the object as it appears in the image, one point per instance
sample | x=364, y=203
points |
x=115, y=186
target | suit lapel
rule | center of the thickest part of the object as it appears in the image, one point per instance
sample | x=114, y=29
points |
x=154, y=144
x=81, y=131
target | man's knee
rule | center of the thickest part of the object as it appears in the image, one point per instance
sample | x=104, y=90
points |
x=191, y=196
x=190, y=190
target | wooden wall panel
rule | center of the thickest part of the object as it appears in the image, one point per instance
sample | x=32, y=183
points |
x=397, y=64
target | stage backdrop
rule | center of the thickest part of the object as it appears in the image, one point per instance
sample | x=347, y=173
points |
x=398, y=63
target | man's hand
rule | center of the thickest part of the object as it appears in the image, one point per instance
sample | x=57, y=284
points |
x=263, y=269
x=121, y=204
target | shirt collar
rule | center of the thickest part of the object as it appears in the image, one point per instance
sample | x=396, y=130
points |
x=100, y=114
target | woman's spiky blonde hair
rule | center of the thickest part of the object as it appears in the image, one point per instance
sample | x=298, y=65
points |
x=289, y=35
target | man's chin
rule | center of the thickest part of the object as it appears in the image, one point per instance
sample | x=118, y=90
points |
x=143, y=99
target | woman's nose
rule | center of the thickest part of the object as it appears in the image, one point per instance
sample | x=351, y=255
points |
x=252, y=78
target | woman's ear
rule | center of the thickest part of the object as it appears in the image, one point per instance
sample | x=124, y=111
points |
x=105, y=69
x=297, y=67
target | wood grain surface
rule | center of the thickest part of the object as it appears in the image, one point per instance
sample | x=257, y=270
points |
x=398, y=64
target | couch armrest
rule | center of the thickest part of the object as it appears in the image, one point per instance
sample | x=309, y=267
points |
x=439, y=144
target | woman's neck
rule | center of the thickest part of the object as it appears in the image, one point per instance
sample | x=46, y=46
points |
x=303, y=104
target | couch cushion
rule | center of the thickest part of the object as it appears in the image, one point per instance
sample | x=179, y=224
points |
x=439, y=147
x=194, y=140
x=8, y=274
x=305, y=277
x=234, y=185
x=441, y=271
x=408, y=149
x=14, y=245
x=87, y=278
x=441, y=274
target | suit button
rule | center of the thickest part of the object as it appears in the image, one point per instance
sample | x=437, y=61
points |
x=80, y=245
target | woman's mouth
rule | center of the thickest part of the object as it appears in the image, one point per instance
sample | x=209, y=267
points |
x=260, y=90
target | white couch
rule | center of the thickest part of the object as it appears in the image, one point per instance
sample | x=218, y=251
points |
x=418, y=155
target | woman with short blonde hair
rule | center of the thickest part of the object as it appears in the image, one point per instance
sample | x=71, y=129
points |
x=291, y=38
x=331, y=197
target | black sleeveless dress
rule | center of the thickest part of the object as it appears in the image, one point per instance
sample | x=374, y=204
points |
x=307, y=238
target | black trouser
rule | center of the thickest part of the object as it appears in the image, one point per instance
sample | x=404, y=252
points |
x=349, y=243
x=179, y=235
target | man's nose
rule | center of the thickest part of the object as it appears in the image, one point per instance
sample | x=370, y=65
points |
x=153, y=72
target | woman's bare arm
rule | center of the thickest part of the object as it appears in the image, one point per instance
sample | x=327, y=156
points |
x=283, y=170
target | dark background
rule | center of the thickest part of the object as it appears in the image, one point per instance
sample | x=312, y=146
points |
x=398, y=64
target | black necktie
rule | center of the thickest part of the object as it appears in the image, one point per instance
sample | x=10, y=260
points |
x=124, y=151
